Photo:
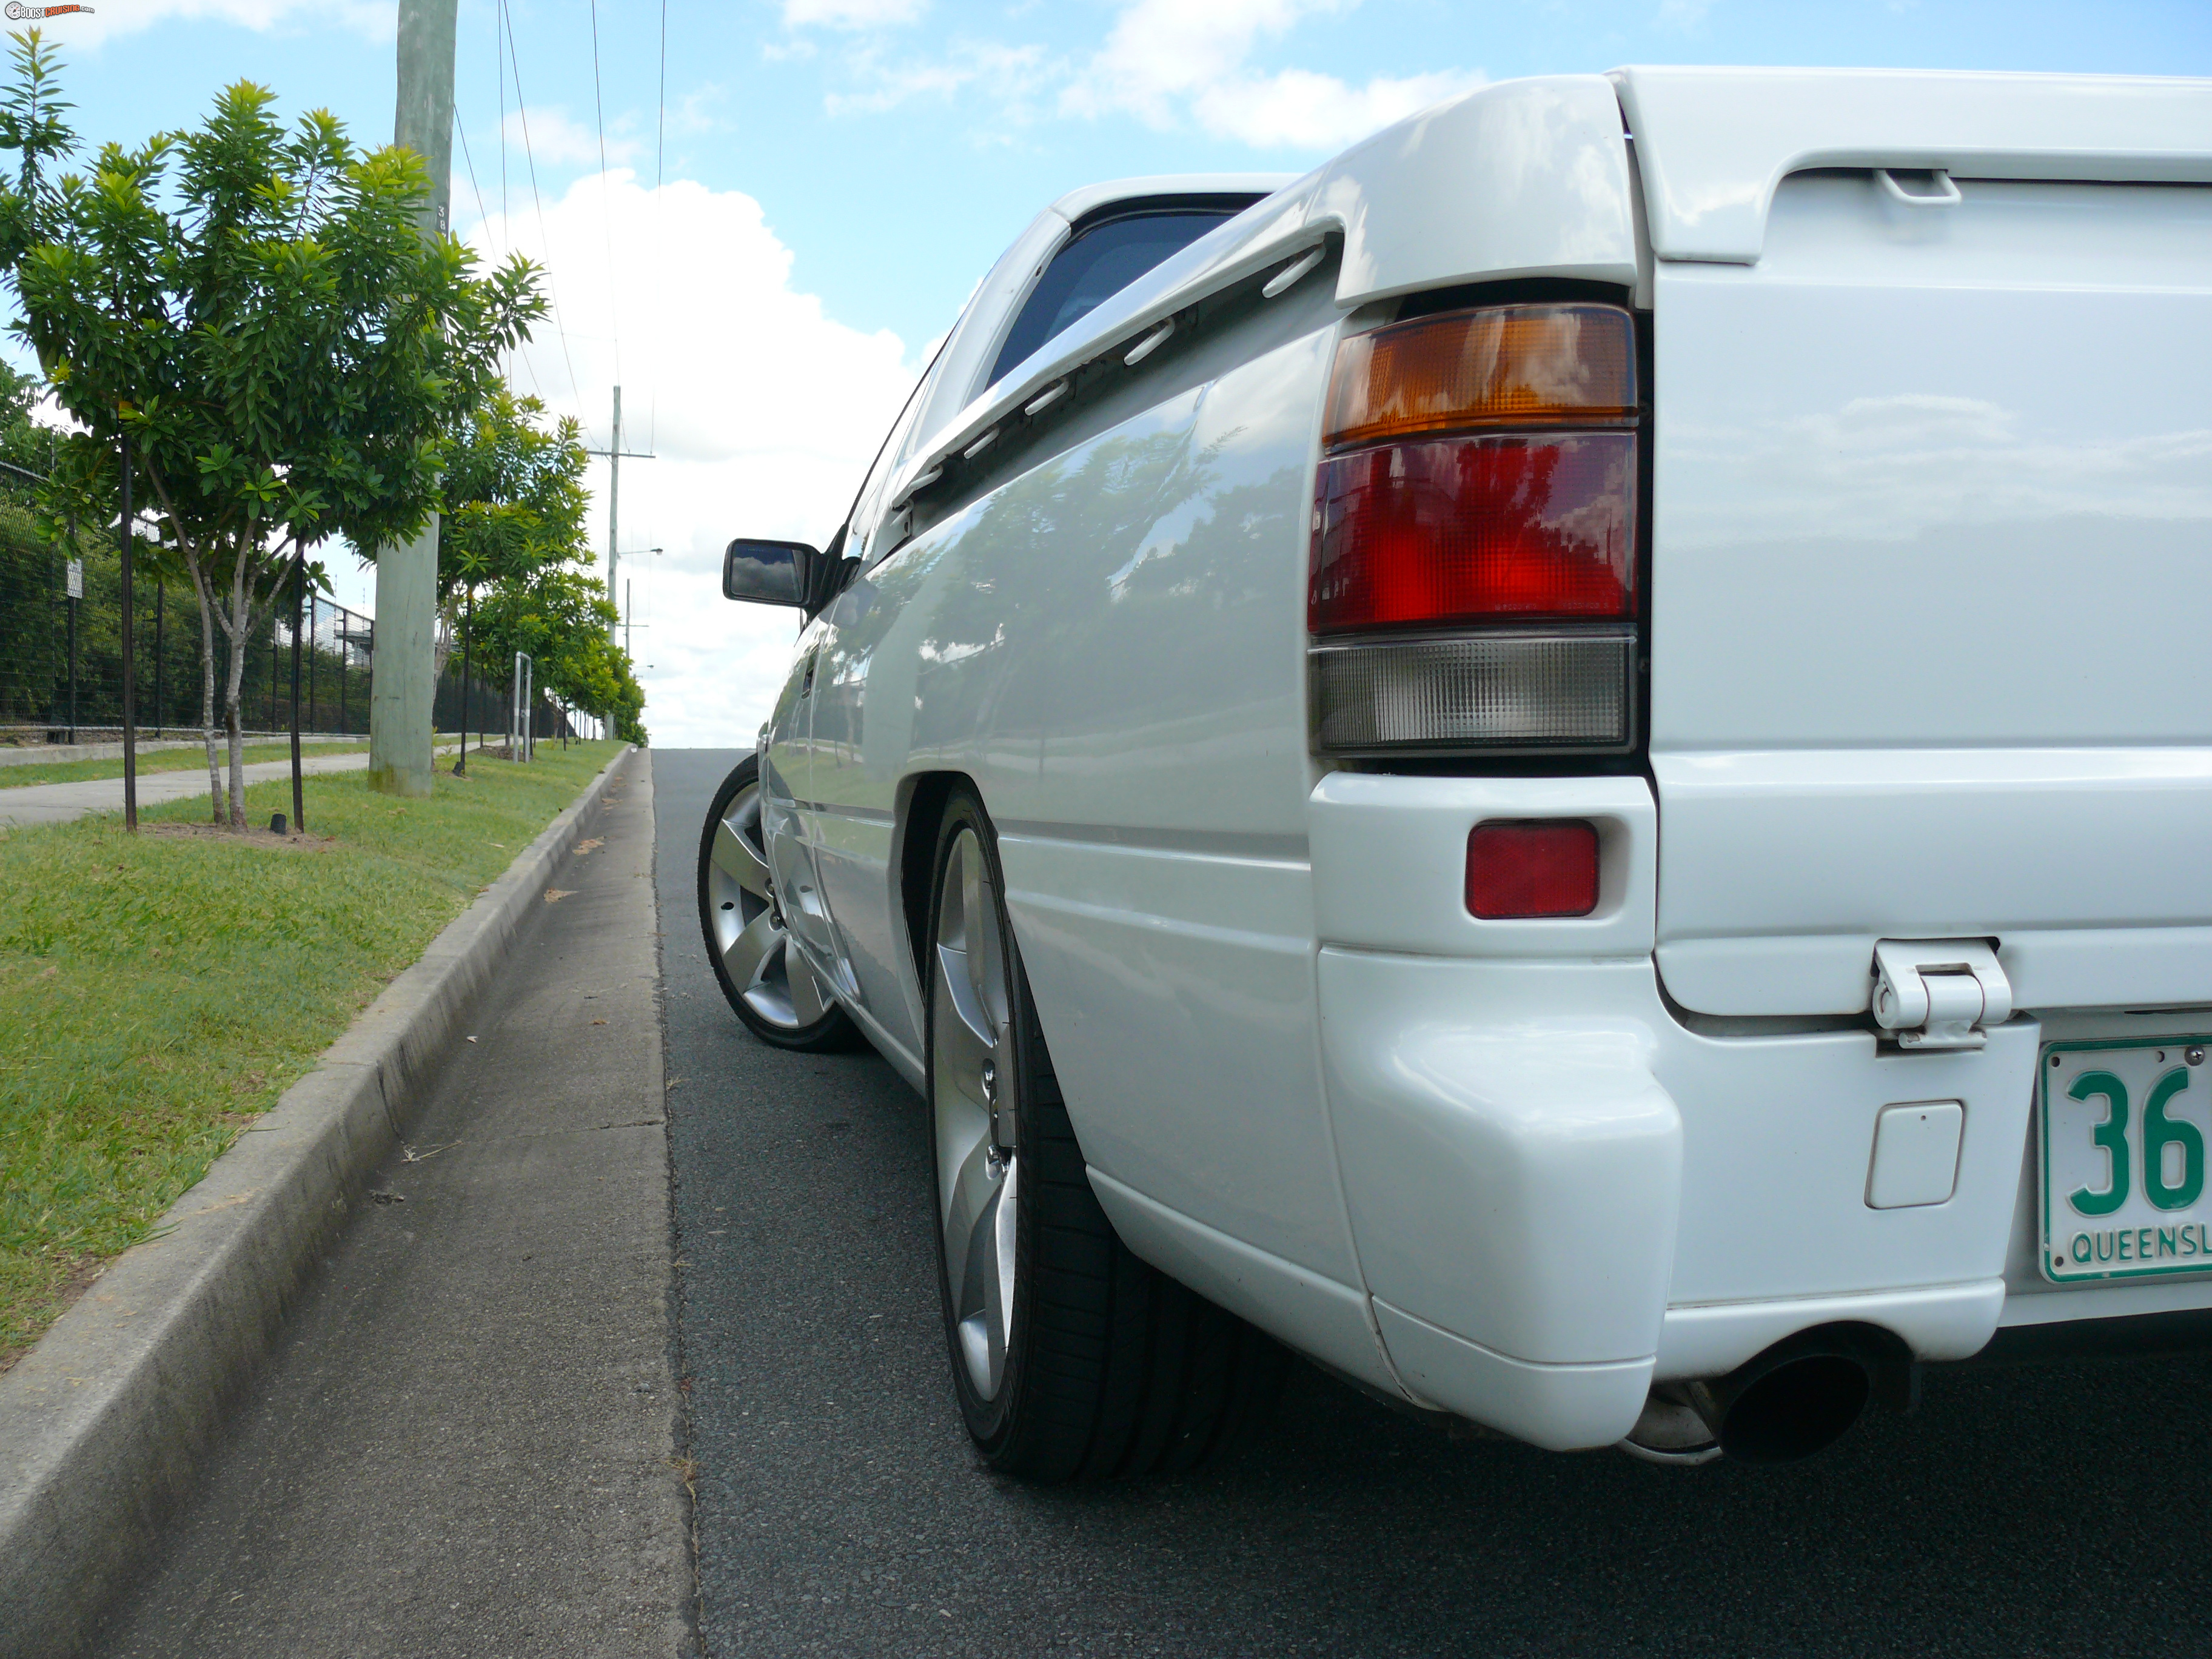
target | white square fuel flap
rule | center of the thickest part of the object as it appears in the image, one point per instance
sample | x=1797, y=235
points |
x=2122, y=1127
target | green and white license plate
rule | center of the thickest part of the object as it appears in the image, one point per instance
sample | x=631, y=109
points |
x=2125, y=1129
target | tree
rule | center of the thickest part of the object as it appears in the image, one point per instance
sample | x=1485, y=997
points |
x=514, y=505
x=258, y=311
x=26, y=447
x=562, y=618
x=513, y=530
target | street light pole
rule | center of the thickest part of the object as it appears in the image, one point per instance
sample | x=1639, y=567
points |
x=403, y=674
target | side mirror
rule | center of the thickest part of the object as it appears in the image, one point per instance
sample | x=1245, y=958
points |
x=769, y=573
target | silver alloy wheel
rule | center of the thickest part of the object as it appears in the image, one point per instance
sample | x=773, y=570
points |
x=978, y=1160
x=756, y=951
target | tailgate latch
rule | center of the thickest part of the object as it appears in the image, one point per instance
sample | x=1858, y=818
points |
x=1939, y=993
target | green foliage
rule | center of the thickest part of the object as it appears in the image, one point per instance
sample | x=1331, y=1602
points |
x=513, y=562
x=258, y=309
x=514, y=495
x=24, y=445
x=562, y=618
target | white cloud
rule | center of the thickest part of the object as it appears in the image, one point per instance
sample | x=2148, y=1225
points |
x=1006, y=73
x=1171, y=64
x=764, y=413
x=850, y=14
x=555, y=137
x=1161, y=52
x=1302, y=110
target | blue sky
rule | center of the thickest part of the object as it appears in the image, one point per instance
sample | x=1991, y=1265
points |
x=838, y=172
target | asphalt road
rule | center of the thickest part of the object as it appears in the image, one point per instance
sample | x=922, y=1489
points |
x=2056, y=1511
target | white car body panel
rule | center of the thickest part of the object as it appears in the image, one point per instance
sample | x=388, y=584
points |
x=1889, y=455
x=1520, y=1170
x=1145, y=763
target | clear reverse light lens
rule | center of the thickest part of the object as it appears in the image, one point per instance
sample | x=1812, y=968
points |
x=1487, y=691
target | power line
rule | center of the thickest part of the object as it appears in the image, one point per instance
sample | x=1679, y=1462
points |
x=545, y=236
x=499, y=68
x=461, y=129
x=463, y=132
x=606, y=205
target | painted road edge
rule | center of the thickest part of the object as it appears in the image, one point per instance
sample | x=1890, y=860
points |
x=103, y=1423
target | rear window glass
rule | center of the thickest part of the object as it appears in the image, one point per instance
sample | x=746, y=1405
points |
x=1102, y=260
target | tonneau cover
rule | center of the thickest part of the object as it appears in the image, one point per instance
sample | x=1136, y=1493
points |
x=1712, y=143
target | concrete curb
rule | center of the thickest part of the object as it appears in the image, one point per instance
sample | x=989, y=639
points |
x=103, y=1423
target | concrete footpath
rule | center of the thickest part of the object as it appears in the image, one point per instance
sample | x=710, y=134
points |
x=465, y=1443
x=59, y=803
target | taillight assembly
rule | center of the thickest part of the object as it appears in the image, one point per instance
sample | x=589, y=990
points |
x=1472, y=585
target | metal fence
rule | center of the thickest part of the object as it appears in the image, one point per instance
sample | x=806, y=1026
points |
x=61, y=659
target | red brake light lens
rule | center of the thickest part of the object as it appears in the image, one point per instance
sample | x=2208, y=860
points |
x=1517, y=870
x=1444, y=530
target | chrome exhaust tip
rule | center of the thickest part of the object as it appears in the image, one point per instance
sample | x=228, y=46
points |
x=1796, y=1399
x=1671, y=1431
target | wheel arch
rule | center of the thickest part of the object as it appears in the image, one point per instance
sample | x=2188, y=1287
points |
x=920, y=812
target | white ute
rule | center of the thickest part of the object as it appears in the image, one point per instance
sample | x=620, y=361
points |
x=1567, y=765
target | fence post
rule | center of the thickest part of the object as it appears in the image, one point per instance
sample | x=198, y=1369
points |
x=130, y=653
x=77, y=587
x=468, y=620
x=299, y=582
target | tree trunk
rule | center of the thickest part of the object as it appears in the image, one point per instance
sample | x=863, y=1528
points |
x=241, y=630
x=206, y=683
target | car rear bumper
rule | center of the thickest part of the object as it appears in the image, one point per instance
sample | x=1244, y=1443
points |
x=1562, y=1188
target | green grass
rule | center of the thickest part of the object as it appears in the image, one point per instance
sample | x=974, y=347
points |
x=194, y=759
x=158, y=992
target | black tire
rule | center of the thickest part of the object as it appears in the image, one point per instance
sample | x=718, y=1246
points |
x=1113, y=1369
x=775, y=1018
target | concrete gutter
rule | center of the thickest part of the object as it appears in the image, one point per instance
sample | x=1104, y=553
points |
x=103, y=1423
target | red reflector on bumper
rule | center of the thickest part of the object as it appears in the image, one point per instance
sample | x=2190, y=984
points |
x=1537, y=867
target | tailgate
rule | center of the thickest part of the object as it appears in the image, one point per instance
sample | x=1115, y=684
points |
x=1931, y=637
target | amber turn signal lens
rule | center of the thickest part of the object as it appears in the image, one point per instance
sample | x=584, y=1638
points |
x=1522, y=364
